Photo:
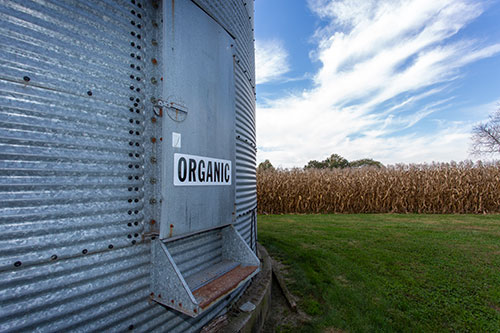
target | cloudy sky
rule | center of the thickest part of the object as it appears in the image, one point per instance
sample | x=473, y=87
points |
x=396, y=81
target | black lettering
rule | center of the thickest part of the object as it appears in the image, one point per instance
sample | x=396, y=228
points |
x=192, y=170
x=227, y=173
x=182, y=169
x=217, y=170
x=209, y=172
x=201, y=171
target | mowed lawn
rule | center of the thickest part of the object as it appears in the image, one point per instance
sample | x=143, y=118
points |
x=390, y=273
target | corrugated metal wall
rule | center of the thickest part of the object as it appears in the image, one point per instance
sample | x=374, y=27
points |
x=75, y=162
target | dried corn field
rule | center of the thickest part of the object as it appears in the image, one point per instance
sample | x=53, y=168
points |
x=436, y=188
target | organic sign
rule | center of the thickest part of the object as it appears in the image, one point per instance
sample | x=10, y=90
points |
x=190, y=170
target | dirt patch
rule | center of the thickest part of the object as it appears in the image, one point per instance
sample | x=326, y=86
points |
x=281, y=319
x=342, y=280
x=333, y=330
x=495, y=307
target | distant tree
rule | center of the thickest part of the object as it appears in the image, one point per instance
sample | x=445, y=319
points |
x=365, y=162
x=266, y=165
x=315, y=165
x=486, y=136
x=333, y=162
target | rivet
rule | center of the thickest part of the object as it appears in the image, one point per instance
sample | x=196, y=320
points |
x=85, y=251
x=17, y=263
x=153, y=100
x=131, y=327
x=152, y=222
x=153, y=119
x=154, y=61
x=153, y=80
x=154, y=42
x=153, y=140
x=134, y=241
x=152, y=180
x=152, y=201
x=155, y=24
x=53, y=257
x=161, y=139
x=110, y=246
x=89, y=93
x=153, y=160
x=26, y=78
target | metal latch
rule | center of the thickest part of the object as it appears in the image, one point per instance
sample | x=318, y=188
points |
x=158, y=106
x=177, y=111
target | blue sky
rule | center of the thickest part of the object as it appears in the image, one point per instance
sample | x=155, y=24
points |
x=396, y=81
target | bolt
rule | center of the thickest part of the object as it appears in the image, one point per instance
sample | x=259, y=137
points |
x=153, y=119
x=152, y=180
x=152, y=222
x=154, y=42
x=153, y=160
x=152, y=201
x=154, y=61
x=153, y=140
x=153, y=100
x=153, y=80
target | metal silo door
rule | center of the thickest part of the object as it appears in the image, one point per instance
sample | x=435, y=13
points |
x=198, y=122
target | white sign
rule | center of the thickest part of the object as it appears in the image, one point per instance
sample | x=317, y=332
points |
x=176, y=140
x=190, y=170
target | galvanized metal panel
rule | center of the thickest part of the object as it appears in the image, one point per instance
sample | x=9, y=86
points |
x=72, y=166
x=200, y=77
x=78, y=175
x=237, y=18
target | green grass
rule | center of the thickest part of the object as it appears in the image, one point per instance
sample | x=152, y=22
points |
x=390, y=273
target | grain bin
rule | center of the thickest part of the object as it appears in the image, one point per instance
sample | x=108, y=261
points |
x=127, y=148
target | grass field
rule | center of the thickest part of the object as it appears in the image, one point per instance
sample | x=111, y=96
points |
x=390, y=273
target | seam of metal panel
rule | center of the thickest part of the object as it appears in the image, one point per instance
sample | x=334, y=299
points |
x=204, y=9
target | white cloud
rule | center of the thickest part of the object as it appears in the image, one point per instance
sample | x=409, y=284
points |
x=271, y=60
x=384, y=49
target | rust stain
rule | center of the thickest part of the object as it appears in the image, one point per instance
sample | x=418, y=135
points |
x=221, y=286
x=173, y=16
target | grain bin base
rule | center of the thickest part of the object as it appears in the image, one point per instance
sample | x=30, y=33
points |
x=196, y=292
x=258, y=293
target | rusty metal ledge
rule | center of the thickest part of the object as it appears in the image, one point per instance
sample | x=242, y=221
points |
x=258, y=293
